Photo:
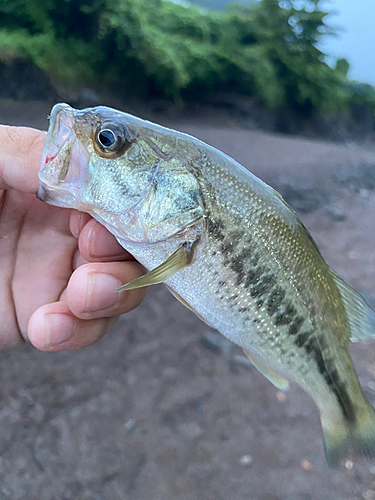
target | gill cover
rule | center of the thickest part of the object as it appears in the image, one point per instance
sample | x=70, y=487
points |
x=172, y=204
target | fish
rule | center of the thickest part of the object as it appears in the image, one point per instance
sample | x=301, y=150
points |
x=227, y=246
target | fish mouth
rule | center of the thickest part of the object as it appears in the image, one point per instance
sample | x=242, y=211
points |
x=60, y=129
x=54, y=166
x=63, y=156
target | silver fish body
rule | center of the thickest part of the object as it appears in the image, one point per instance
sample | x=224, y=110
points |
x=256, y=276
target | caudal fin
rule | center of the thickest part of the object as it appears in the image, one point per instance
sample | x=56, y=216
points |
x=350, y=440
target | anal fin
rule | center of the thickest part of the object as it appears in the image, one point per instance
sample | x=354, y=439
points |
x=187, y=305
x=276, y=379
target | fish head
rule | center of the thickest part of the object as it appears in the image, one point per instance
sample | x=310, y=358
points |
x=126, y=172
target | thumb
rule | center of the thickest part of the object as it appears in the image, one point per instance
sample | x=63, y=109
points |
x=21, y=150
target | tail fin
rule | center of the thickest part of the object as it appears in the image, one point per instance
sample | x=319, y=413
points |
x=350, y=440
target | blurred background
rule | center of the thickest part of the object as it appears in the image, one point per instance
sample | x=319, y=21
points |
x=164, y=408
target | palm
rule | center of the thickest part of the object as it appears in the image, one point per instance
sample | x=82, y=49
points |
x=37, y=251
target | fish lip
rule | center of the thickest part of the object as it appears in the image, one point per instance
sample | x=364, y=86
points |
x=61, y=114
x=59, y=132
x=42, y=193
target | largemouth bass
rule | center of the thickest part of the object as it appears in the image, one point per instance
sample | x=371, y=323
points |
x=227, y=246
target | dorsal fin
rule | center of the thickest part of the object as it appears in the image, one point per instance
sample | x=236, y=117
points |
x=361, y=317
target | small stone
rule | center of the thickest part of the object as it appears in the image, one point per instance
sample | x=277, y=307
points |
x=245, y=460
x=372, y=470
x=306, y=465
x=353, y=254
x=349, y=464
x=280, y=396
x=365, y=193
x=335, y=211
x=130, y=424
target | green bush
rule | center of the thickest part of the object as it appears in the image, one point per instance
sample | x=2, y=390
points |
x=267, y=50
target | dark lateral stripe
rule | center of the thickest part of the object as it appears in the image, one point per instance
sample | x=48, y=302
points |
x=253, y=276
x=227, y=248
x=237, y=236
x=296, y=325
x=275, y=300
x=301, y=338
x=255, y=259
x=286, y=317
x=333, y=380
x=245, y=254
x=215, y=228
x=237, y=266
x=263, y=287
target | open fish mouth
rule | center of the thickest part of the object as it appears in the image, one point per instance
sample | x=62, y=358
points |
x=61, y=128
x=63, y=155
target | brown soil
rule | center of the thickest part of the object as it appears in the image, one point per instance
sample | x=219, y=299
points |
x=163, y=409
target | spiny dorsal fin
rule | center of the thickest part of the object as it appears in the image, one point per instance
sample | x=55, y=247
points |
x=361, y=317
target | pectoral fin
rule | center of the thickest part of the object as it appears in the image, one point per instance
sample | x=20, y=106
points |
x=276, y=379
x=182, y=257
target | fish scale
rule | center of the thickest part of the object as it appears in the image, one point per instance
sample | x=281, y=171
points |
x=227, y=246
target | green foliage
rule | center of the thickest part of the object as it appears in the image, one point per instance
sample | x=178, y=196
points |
x=217, y=4
x=267, y=49
x=342, y=66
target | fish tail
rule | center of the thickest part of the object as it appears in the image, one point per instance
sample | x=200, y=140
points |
x=356, y=439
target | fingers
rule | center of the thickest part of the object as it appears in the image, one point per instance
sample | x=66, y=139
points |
x=89, y=306
x=88, y=309
x=53, y=327
x=78, y=220
x=91, y=289
x=96, y=243
x=21, y=150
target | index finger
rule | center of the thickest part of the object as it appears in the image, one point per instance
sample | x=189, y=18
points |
x=21, y=150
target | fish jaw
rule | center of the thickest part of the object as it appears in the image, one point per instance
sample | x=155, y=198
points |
x=64, y=162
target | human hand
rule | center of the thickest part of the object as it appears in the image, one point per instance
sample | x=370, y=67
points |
x=58, y=267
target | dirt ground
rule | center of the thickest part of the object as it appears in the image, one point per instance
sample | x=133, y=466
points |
x=163, y=408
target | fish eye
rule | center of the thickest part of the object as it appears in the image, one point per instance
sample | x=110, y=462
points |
x=112, y=140
x=107, y=138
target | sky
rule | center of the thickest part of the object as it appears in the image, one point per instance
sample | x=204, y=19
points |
x=356, y=42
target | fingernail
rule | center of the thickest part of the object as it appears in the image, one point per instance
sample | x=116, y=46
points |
x=101, y=292
x=59, y=328
x=101, y=244
x=77, y=222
